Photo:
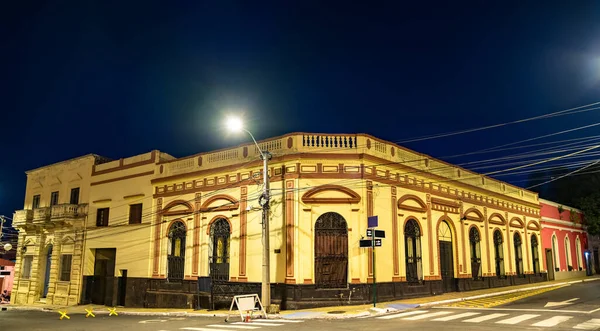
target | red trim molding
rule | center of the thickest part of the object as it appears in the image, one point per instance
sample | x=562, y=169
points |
x=233, y=205
x=533, y=225
x=157, y=227
x=289, y=230
x=516, y=222
x=167, y=210
x=422, y=206
x=477, y=217
x=497, y=219
x=243, y=230
x=308, y=197
x=196, y=249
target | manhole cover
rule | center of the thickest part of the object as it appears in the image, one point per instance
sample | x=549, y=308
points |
x=336, y=312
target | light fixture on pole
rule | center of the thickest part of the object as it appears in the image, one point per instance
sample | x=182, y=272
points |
x=235, y=124
x=7, y=247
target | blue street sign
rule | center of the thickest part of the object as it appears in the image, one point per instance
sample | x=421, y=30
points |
x=372, y=221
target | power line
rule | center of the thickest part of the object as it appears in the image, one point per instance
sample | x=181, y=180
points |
x=555, y=114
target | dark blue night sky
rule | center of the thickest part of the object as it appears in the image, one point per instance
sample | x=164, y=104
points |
x=118, y=78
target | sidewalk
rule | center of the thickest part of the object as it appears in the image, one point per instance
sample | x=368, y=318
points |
x=335, y=312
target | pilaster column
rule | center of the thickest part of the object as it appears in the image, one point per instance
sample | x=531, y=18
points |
x=18, y=266
x=37, y=273
x=76, y=262
x=54, y=267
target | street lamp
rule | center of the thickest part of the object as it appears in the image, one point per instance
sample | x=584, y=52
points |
x=235, y=124
x=7, y=247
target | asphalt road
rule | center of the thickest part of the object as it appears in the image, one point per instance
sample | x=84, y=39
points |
x=532, y=313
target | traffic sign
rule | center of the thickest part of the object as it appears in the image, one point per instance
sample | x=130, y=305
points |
x=366, y=243
x=379, y=234
x=377, y=242
x=372, y=221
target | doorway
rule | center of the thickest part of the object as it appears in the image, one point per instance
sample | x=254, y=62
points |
x=47, y=272
x=104, y=271
x=122, y=286
x=331, y=251
x=446, y=260
x=550, y=264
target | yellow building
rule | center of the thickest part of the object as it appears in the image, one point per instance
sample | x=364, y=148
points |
x=51, y=232
x=447, y=228
x=118, y=231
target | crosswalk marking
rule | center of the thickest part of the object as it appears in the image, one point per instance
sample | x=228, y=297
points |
x=517, y=319
x=484, y=318
x=553, y=321
x=200, y=329
x=592, y=324
x=408, y=313
x=455, y=317
x=421, y=317
x=282, y=321
x=258, y=323
x=233, y=326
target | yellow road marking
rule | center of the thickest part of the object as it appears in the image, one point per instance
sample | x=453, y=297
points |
x=500, y=299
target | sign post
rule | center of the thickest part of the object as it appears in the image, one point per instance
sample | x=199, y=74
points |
x=373, y=241
x=374, y=280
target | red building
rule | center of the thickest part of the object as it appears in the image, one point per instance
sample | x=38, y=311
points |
x=564, y=241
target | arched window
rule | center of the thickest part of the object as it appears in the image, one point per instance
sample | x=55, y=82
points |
x=518, y=255
x=176, y=251
x=499, y=253
x=555, y=253
x=219, y=250
x=578, y=251
x=535, y=257
x=568, y=253
x=412, y=244
x=475, y=239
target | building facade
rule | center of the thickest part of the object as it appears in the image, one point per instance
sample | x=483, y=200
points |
x=51, y=231
x=593, y=248
x=447, y=228
x=564, y=241
x=118, y=231
x=7, y=275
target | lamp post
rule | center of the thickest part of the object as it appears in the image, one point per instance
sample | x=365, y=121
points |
x=235, y=124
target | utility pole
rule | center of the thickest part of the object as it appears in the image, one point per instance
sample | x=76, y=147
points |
x=235, y=124
x=266, y=267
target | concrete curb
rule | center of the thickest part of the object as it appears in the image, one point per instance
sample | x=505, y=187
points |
x=71, y=311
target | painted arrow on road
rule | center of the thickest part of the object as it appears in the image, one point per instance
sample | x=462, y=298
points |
x=560, y=303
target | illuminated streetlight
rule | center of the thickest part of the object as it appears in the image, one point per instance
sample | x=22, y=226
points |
x=7, y=247
x=235, y=124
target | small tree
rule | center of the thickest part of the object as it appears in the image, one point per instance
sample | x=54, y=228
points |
x=574, y=217
x=590, y=206
x=560, y=211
